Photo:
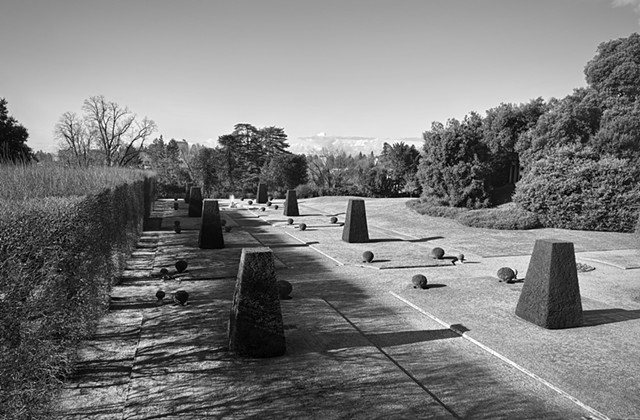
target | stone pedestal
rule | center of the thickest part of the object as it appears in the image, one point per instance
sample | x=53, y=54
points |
x=261, y=195
x=187, y=193
x=255, y=323
x=550, y=295
x=355, y=226
x=195, y=202
x=210, y=227
x=291, y=204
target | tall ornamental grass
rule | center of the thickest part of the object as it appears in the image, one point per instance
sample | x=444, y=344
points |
x=21, y=182
x=64, y=237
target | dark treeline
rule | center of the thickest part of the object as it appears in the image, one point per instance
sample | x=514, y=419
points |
x=250, y=155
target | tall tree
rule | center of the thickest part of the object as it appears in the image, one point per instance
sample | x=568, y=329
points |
x=273, y=140
x=453, y=168
x=285, y=171
x=573, y=120
x=74, y=136
x=208, y=169
x=615, y=70
x=119, y=134
x=503, y=127
x=13, y=138
x=400, y=162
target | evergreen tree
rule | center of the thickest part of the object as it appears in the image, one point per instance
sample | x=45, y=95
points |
x=13, y=138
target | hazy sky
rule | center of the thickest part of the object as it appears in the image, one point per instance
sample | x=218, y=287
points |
x=372, y=68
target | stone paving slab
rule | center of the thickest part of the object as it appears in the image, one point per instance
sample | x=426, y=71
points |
x=471, y=381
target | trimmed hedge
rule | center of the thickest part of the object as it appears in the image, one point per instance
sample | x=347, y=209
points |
x=582, y=190
x=59, y=257
x=504, y=218
x=498, y=218
x=431, y=209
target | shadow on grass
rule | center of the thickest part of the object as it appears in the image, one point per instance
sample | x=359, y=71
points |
x=608, y=316
x=431, y=238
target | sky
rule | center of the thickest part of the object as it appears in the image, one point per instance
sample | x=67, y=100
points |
x=345, y=68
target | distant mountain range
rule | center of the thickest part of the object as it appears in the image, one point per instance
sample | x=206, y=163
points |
x=350, y=145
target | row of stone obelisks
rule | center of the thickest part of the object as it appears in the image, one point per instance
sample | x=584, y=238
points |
x=550, y=296
x=255, y=320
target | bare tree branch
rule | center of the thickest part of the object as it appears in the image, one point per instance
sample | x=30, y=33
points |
x=71, y=131
x=118, y=133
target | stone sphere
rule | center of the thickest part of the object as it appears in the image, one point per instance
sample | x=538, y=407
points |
x=176, y=206
x=289, y=221
x=160, y=294
x=507, y=274
x=250, y=202
x=164, y=271
x=437, y=253
x=177, y=229
x=419, y=281
x=460, y=257
x=268, y=203
x=303, y=226
x=334, y=219
x=241, y=198
x=262, y=209
x=367, y=256
x=275, y=207
x=284, y=289
x=181, y=265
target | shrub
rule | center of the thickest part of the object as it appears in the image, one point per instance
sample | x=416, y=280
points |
x=284, y=289
x=581, y=190
x=510, y=218
x=507, y=274
x=419, y=281
x=59, y=255
x=454, y=165
x=308, y=190
x=437, y=253
x=429, y=208
x=367, y=256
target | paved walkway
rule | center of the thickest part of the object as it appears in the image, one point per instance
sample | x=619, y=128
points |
x=361, y=342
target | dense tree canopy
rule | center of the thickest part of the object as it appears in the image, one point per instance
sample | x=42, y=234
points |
x=453, y=168
x=284, y=171
x=615, y=70
x=13, y=138
x=168, y=161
